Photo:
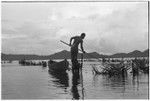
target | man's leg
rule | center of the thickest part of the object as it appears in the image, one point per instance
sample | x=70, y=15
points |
x=74, y=60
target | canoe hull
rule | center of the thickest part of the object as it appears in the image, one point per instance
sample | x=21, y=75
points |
x=58, y=66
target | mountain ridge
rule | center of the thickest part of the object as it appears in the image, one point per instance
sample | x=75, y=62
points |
x=66, y=54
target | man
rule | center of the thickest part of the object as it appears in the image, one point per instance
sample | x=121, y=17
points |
x=74, y=48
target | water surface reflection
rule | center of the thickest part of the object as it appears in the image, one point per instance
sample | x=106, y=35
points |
x=60, y=79
x=75, y=83
x=35, y=82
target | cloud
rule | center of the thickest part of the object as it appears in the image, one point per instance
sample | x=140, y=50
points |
x=109, y=27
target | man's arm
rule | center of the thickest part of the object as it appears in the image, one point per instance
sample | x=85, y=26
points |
x=71, y=40
x=81, y=44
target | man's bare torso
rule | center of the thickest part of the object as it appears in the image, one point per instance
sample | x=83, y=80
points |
x=77, y=41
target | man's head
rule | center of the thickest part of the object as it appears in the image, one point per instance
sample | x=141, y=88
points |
x=82, y=35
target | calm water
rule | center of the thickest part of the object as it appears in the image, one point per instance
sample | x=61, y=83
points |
x=35, y=82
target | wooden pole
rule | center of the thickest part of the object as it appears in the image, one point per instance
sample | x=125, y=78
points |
x=82, y=76
x=81, y=51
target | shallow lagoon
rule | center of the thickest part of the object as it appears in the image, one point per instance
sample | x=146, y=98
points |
x=35, y=82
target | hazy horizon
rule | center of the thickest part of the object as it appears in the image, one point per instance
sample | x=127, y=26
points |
x=110, y=27
x=68, y=51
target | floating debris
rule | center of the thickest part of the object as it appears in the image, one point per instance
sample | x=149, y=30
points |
x=110, y=69
x=135, y=66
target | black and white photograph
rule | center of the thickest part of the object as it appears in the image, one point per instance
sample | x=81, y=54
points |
x=74, y=50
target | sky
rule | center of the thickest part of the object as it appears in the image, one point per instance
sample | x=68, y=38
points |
x=110, y=27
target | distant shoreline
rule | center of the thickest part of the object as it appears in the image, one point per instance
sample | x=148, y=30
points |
x=66, y=55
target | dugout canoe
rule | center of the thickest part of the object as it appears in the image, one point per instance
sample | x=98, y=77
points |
x=58, y=66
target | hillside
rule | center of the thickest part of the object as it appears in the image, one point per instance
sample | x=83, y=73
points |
x=66, y=54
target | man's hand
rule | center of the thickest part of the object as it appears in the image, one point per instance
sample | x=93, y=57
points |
x=84, y=52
